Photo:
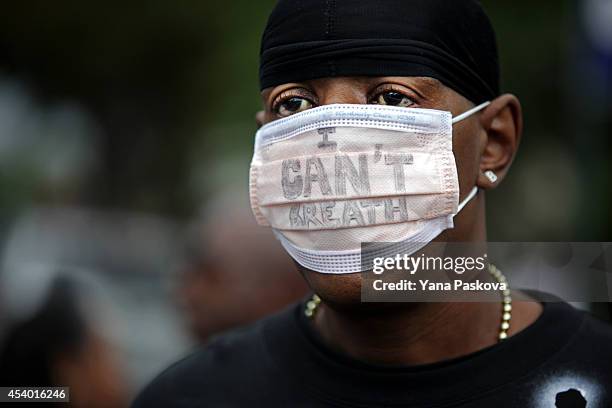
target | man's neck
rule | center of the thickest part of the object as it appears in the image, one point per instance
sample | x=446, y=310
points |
x=422, y=333
x=418, y=333
x=411, y=334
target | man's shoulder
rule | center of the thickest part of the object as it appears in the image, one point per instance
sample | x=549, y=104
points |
x=594, y=330
x=590, y=347
x=585, y=326
x=236, y=362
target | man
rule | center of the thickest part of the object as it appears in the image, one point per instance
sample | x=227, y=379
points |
x=356, y=147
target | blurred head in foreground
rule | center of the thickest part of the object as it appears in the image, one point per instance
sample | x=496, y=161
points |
x=58, y=346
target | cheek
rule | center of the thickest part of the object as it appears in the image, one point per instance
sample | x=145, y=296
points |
x=467, y=149
x=268, y=117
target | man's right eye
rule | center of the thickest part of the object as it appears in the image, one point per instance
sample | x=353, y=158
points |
x=292, y=105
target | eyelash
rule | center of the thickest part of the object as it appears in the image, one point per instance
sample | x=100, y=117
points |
x=292, y=93
x=390, y=88
x=305, y=94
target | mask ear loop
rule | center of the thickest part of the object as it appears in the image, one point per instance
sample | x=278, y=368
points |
x=467, y=199
x=469, y=113
x=458, y=119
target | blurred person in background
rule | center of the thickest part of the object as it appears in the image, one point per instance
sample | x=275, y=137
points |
x=122, y=264
x=55, y=344
x=235, y=272
x=327, y=63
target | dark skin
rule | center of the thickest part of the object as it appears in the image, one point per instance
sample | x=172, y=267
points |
x=415, y=333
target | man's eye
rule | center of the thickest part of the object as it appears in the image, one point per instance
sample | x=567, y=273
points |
x=293, y=105
x=393, y=98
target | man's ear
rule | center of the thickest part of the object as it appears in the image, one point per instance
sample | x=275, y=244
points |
x=260, y=118
x=502, y=121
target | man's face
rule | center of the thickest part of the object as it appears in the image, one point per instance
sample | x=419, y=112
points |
x=470, y=142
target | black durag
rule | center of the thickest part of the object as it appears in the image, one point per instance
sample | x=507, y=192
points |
x=450, y=40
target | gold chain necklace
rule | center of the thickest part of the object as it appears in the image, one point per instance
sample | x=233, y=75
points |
x=313, y=303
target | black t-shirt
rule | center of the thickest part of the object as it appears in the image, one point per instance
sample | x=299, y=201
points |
x=564, y=359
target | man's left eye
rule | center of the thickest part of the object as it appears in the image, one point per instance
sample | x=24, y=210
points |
x=393, y=98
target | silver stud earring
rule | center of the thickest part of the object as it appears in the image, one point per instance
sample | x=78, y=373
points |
x=491, y=176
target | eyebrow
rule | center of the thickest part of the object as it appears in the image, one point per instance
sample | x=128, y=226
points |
x=425, y=87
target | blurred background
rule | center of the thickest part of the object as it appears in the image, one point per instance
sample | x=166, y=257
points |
x=126, y=133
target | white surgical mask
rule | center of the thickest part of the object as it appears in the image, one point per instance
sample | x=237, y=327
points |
x=333, y=177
